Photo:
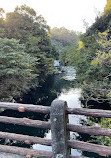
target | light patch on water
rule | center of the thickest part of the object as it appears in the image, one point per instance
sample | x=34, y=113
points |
x=70, y=74
x=42, y=147
x=69, y=78
x=71, y=96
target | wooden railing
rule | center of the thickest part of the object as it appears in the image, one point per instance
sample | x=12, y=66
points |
x=60, y=130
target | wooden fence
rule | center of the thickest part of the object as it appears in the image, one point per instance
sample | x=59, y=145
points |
x=60, y=130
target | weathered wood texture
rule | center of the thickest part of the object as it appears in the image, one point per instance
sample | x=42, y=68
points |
x=25, y=107
x=10, y=155
x=46, y=109
x=99, y=149
x=91, y=130
x=25, y=152
x=43, y=124
x=78, y=156
x=17, y=152
x=26, y=139
x=25, y=122
x=89, y=112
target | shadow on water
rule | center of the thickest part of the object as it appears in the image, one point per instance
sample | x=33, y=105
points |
x=60, y=86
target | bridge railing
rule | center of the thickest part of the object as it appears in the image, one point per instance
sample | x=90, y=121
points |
x=60, y=130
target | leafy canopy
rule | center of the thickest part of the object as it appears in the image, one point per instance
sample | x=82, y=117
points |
x=16, y=68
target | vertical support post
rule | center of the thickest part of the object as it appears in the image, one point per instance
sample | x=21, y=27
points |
x=60, y=135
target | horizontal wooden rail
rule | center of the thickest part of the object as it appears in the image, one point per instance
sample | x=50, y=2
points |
x=26, y=139
x=25, y=122
x=89, y=112
x=60, y=109
x=98, y=149
x=46, y=109
x=91, y=130
x=29, y=140
x=29, y=152
x=25, y=107
x=25, y=152
x=78, y=156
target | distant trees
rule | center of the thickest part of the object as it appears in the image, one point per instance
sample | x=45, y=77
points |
x=33, y=48
x=64, y=36
x=65, y=41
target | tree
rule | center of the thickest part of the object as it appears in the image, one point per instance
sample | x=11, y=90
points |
x=64, y=41
x=23, y=24
x=16, y=69
x=102, y=63
x=93, y=61
x=64, y=36
x=93, y=65
x=108, y=6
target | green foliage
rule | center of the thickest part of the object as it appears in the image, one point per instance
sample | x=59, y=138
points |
x=26, y=10
x=102, y=63
x=108, y=6
x=65, y=42
x=16, y=68
x=23, y=24
x=98, y=74
x=59, y=46
x=33, y=54
x=67, y=55
x=102, y=23
x=64, y=36
x=103, y=123
x=93, y=63
x=80, y=45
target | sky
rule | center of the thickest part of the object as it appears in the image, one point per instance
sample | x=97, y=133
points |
x=72, y=14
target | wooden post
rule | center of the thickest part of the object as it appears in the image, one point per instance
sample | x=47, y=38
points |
x=59, y=133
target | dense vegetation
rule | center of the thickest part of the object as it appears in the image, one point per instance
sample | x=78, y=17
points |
x=92, y=59
x=65, y=42
x=26, y=51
